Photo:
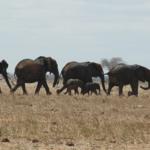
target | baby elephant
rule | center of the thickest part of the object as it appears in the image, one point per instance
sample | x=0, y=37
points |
x=71, y=84
x=90, y=88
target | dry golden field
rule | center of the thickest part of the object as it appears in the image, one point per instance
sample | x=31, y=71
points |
x=61, y=122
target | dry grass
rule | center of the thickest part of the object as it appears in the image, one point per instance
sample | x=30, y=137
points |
x=61, y=122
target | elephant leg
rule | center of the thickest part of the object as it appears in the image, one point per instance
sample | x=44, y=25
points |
x=134, y=87
x=67, y=91
x=99, y=90
x=76, y=91
x=70, y=93
x=64, y=81
x=38, y=87
x=24, y=89
x=0, y=91
x=46, y=88
x=120, y=90
x=15, y=88
x=19, y=83
x=95, y=91
x=82, y=92
x=110, y=88
x=60, y=90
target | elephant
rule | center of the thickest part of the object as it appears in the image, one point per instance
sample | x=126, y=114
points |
x=71, y=84
x=3, y=71
x=91, y=87
x=30, y=71
x=83, y=71
x=123, y=74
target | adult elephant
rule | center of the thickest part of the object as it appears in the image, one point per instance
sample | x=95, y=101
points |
x=83, y=71
x=123, y=74
x=3, y=71
x=29, y=71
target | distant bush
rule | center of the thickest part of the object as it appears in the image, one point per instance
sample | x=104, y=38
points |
x=108, y=64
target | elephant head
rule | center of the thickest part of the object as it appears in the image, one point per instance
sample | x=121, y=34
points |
x=3, y=71
x=97, y=71
x=146, y=77
x=142, y=74
x=51, y=66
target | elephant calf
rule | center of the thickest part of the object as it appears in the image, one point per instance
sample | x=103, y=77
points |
x=71, y=84
x=90, y=87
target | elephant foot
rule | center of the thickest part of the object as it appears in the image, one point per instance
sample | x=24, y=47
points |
x=36, y=93
x=108, y=94
x=121, y=95
x=25, y=93
x=58, y=91
x=131, y=94
x=49, y=93
x=12, y=91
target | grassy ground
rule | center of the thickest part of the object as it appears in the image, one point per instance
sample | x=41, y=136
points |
x=61, y=122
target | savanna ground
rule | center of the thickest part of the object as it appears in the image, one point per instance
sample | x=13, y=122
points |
x=61, y=122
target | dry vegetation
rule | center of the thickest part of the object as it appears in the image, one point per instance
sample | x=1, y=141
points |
x=74, y=122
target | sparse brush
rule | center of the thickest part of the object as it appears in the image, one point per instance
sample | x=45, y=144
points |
x=87, y=122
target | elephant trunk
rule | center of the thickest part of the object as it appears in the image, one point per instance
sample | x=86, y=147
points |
x=56, y=79
x=6, y=79
x=146, y=88
x=103, y=82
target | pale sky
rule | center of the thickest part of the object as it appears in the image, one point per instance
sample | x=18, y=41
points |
x=81, y=30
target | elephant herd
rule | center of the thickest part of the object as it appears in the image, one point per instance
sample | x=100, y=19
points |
x=75, y=75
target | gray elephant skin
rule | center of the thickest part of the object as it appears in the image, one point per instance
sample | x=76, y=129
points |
x=71, y=84
x=83, y=71
x=90, y=88
x=3, y=71
x=29, y=71
x=123, y=74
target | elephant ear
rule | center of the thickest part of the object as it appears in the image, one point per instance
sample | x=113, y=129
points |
x=42, y=61
x=52, y=64
x=45, y=63
x=49, y=63
x=96, y=67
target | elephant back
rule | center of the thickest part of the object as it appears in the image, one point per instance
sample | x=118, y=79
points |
x=24, y=63
x=68, y=66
